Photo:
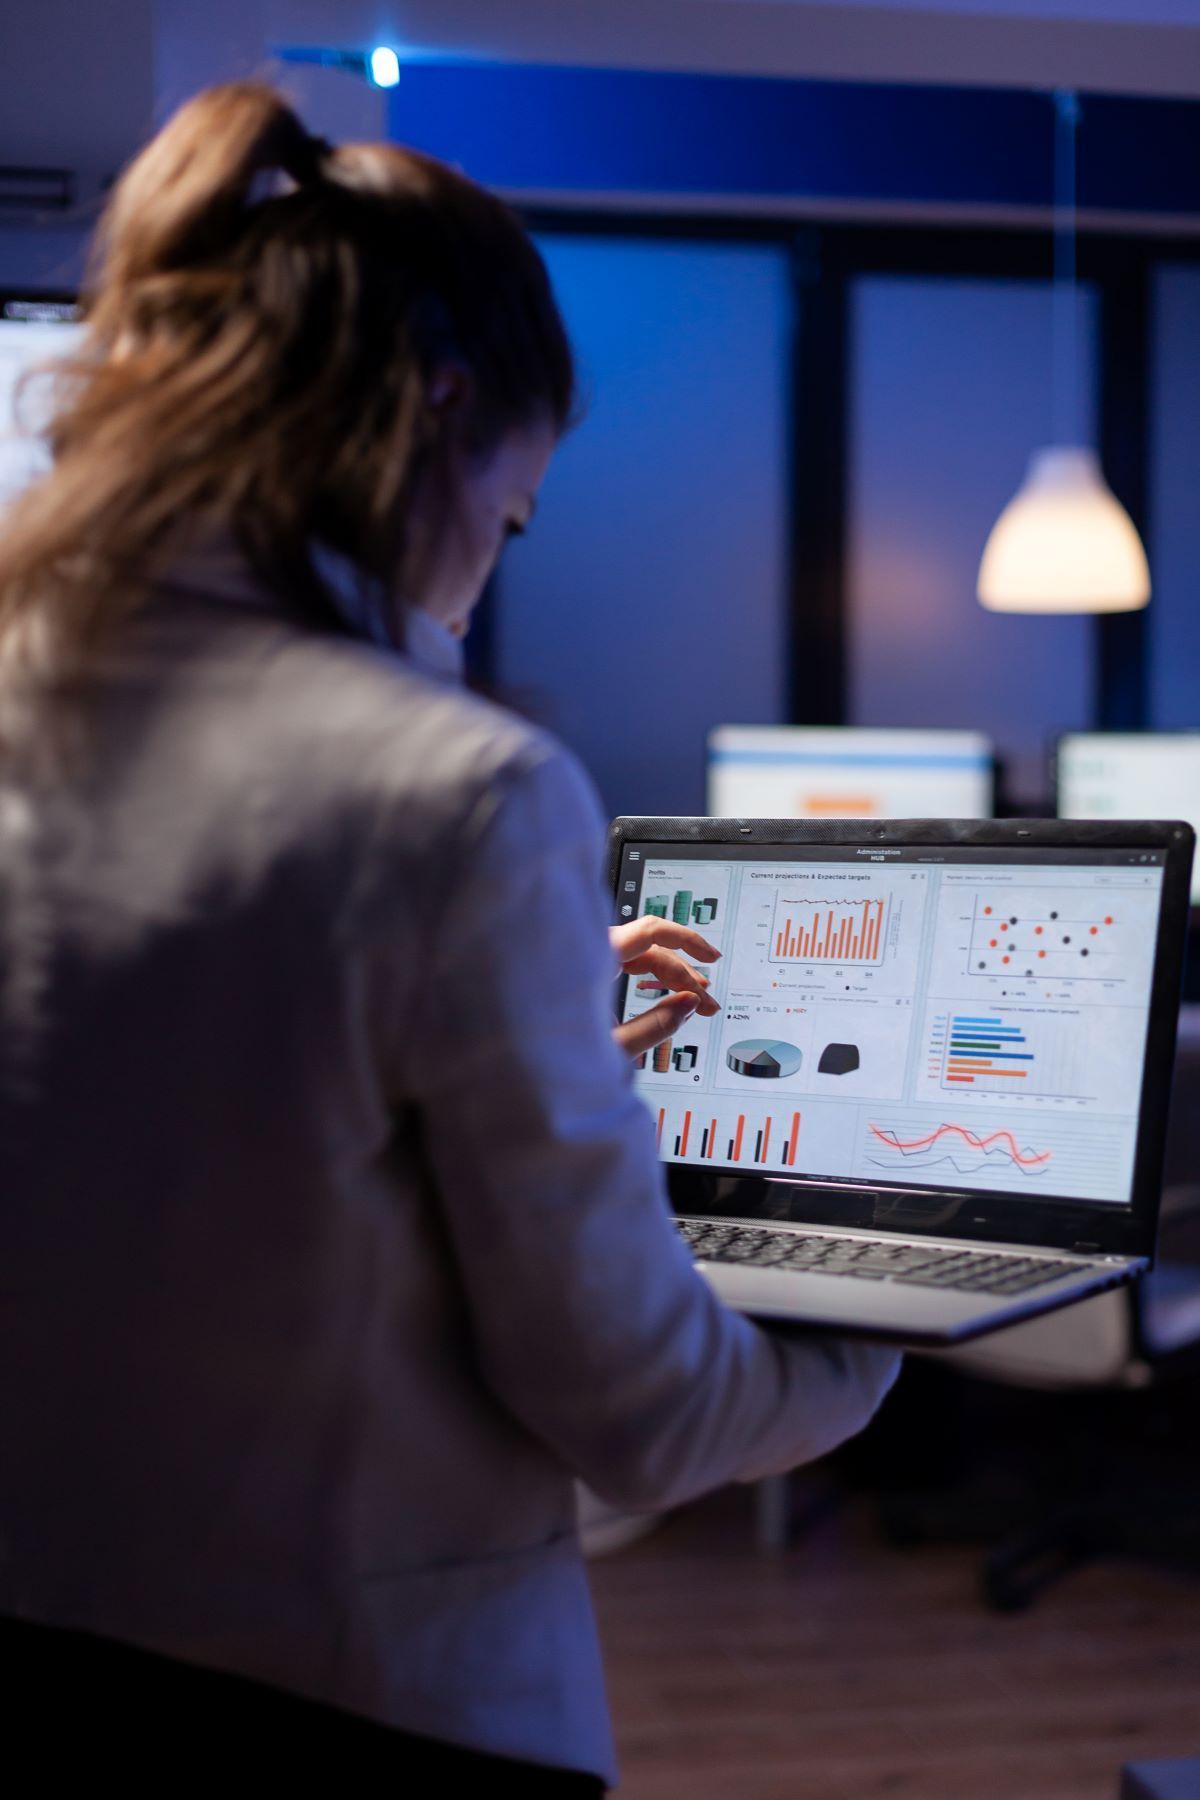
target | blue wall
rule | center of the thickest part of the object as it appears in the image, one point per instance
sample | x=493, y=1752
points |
x=1174, y=619
x=42, y=256
x=602, y=130
x=649, y=600
x=951, y=393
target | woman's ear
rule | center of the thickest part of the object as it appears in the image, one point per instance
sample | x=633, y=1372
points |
x=449, y=389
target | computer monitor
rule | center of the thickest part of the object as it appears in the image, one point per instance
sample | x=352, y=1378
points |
x=1130, y=775
x=35, y=329
x=835, y=772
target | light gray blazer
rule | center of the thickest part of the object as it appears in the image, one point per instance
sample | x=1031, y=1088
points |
x=333, y=1241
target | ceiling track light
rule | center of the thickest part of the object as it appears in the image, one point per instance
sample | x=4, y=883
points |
x=381, y=66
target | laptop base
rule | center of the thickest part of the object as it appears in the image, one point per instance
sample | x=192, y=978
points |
x=900, y=1311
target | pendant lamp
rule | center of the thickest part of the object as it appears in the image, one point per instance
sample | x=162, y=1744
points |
x=1064, y=543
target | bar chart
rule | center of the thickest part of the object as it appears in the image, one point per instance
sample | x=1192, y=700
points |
x=983, y=1051
x=682, y=908
x=1031, y=1055
x=697, y=1134
x=671, y=1058
x=839, y=931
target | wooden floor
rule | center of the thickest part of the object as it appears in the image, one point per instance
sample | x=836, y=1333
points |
x=844, y=1669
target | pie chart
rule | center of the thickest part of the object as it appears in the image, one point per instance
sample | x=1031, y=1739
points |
x=765, y=1058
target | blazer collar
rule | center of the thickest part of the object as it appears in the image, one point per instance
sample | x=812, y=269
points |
x=217, y=570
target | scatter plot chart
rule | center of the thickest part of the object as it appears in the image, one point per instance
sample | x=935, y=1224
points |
x=1034, y=932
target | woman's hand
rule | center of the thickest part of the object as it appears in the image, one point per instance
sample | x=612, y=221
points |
x=650, y=947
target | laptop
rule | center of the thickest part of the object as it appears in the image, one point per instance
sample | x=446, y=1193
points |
x=934, y=1101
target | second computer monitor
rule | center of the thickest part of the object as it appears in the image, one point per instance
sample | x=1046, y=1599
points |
x=35, y=330
x=1131, y=775
x=811, y=772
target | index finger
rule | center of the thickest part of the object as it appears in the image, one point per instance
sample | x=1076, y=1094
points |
x=649, y=1029
x=651, y=930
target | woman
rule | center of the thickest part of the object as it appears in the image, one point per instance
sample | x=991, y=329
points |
x=332, y=1237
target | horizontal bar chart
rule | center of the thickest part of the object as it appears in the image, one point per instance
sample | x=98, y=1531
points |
x=981, y=1050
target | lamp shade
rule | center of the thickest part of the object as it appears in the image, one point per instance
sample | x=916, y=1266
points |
x=1064, y=543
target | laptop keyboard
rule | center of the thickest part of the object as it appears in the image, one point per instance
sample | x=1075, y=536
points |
x=869, y=1259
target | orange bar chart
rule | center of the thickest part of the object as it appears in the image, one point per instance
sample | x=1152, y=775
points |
x=762, y=1142
x=830, y=933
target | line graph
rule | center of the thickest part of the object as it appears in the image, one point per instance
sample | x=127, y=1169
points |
x=1005, y=1143
x=1078, y=1156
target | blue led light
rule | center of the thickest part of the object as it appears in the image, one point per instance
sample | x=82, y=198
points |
x=384, y=67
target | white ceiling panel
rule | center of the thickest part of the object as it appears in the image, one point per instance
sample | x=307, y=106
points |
x=1117, y=46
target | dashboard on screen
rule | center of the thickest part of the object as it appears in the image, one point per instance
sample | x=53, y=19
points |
x=810, y=772
x=959, y=1018
x=1131, y=775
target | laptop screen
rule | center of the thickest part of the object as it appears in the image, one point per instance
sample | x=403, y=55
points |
x=847, y=772
x=970, y=1018
x=1131, y=775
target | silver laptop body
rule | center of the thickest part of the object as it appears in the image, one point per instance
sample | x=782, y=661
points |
x=934, y=1102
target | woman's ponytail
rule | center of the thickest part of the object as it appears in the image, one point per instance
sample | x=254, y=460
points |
x=185, y=198
x=256, y=363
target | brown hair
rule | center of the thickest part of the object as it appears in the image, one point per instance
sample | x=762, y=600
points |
x=263, y=322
